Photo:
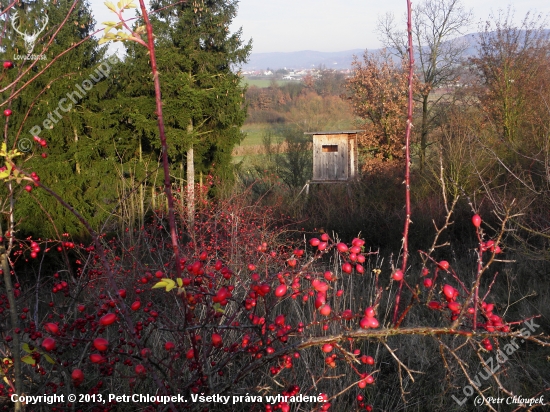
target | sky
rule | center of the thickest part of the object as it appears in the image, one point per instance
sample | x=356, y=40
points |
x=332, y=25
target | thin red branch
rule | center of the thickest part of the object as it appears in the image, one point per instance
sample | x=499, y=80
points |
x=407, y=162
x=162, y=135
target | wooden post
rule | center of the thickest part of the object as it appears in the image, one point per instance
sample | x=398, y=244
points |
x=352, y=157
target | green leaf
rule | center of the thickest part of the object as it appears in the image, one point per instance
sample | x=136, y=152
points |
x=48, y=358
x=28, y=359
x=27, y=348
x=170, y=284
x=160, y=284
x=110, y=6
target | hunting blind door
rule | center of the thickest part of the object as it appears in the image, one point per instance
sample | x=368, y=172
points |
x=334, y=156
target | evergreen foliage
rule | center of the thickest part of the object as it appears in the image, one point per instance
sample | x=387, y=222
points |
x=107, y=141
x=61, y=106
x=203, y=98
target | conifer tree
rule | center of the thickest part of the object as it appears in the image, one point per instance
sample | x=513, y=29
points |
x=203, y=98
x=59, y=107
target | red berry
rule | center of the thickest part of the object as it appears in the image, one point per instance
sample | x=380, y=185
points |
x=365, y=322
x=169, y=345
x=454, y=307
x=342, y=247
x=319, y=286
x=101, y=344
x=320, y=299
x=78, y=377
x=327, y=347
x=347, y=268
x=280, y=291
x=7, y=112
x=373, y=323
x=48, y=344
x=28, y=188
x=347, y=314
x=280, y=320
x=136, y=305
x=428, y=283
x=96, y=358
x=108, y=319
x=51, y=328
x=397, y=275
x=217, y=340
x=476, y=220
x=314, y=241
x=140, y=369
x=8, y=65
x=369, y=312
x=325, y=310
x=450, y=292
x=444, y=265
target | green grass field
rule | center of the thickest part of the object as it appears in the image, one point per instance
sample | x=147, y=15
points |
x=254, y=134
x=252, y=142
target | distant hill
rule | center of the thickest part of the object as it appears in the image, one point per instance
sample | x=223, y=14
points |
x=307, y=59
x=331, y=60
x=302, y=60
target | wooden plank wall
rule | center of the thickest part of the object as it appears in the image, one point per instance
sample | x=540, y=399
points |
x=330, y=165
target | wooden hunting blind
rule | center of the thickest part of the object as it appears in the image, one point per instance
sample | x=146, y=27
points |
x=334, y=156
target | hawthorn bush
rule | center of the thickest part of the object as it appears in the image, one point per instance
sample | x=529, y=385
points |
x=237, y=305
x=252, y=313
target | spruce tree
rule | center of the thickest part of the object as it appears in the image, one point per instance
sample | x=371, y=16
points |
x=62, y=107
x=203, y=97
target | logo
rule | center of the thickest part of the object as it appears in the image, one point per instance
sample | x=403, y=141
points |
x=29, y=39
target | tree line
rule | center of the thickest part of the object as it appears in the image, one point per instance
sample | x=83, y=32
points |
x=483, y=120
